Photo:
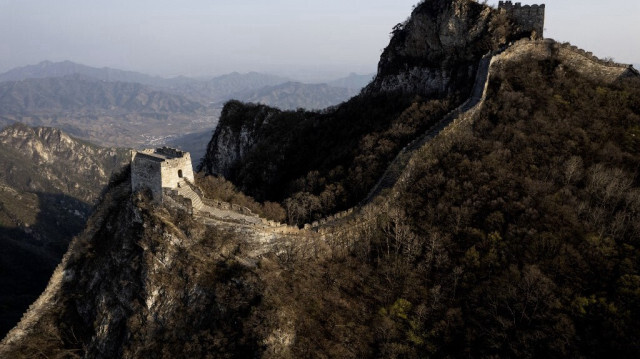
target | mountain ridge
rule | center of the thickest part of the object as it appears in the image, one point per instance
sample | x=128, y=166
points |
x=295, y=95
x=46, y=69
x=417, y=83
x=203, y=89
x=76, y=92
x=239, y=284
x=514, y=232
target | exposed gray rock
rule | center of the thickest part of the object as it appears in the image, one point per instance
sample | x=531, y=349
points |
x=435, y=51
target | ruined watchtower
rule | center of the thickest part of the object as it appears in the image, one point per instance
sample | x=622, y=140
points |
x=528, y=18
x=159, y=168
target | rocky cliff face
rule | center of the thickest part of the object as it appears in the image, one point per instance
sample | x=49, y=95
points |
x=435, y=52
x=121, y=290
x=52, y=161
x=237, y=132
x=49, y=182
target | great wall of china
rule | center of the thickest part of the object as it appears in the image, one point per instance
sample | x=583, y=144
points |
x=215, y=212
x=336, y=228
x=581, y=60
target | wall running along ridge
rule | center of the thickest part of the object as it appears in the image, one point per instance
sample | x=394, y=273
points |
x=335, y=229
x=572, y=57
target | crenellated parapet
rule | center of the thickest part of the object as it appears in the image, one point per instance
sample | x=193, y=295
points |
x=529, y=18
x=572, y=57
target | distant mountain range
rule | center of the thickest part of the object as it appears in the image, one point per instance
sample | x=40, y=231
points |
x=222, y=88
x=82, y=93
x=65, y=68
x=214, y=90
x=352, y=82
x=113, y=107
x=119, y=114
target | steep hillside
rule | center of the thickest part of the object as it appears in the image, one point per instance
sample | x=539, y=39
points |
x=320, y=162
x=513, y=233
x=48, y=185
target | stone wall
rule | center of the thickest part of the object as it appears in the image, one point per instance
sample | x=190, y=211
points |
x=529, y=18
x=172, y=169
x=145, y=173
x=572, y=57
x=172, y=198
x=160, y=168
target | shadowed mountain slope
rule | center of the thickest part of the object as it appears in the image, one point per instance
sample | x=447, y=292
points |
x=48, y=185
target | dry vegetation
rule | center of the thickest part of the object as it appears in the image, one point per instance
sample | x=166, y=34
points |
x=517, y=237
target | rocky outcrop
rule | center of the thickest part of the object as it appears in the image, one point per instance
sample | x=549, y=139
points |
x=60, y=163
x=139, y=274
x=435, y=52
x=237, y=132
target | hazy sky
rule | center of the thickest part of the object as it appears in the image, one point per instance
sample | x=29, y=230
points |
x=294, y=37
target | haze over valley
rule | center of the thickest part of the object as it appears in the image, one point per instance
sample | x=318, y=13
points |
x=127, y=109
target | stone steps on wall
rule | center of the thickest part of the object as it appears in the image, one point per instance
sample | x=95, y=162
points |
x=185, y=191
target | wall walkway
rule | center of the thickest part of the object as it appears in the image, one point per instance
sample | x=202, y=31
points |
x=572, y=56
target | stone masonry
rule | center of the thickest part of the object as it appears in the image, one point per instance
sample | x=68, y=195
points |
x=160, y=168
x=529, y=18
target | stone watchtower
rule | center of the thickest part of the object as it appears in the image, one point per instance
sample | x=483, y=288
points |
x=528, y=18
x=160, y=168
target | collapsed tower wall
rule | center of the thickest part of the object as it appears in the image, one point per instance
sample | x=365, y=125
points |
x=160, y=168
x=528, y=18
